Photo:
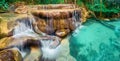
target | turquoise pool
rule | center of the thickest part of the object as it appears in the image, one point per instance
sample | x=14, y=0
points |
x=96, y=42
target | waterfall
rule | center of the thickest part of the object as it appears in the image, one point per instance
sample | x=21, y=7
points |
x=24, y=31
x=23, y=28
x=21, y=32
x=49, y=53
x=28, y=28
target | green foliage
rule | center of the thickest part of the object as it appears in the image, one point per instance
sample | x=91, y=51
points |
x=3, y=5
x=51, y=1
x=99, y=6
x=102, y=6
x=38, y=1
x=79, y=2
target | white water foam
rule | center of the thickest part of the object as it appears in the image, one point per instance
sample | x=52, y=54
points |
x=50, y=53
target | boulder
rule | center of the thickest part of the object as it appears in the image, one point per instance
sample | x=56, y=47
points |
x=4, y=42
x=10, y=55
x=60, y=27
x=58, y=22
x=62, y=32
x=21, y=10
x=3, y=28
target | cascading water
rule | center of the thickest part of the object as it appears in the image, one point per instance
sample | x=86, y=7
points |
x=21, y=33
x=24, y=31
x=49, y=50
x=45, y=28
x=49, y=53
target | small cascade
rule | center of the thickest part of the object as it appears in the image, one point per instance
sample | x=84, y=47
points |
x=23, y=25
x=24, y=31
x=76, y=18
x=44, y=28
x=49, y=53
x=21, y=33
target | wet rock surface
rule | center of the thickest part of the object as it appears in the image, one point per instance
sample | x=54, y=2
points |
x=59, y=28
x=21, y=8
x=10, y=55
x=56, y=13
x=56, y=23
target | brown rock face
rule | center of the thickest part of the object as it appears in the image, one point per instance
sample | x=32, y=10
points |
x=60, y=23
x=56, y=13
x=56, y=6
x=60, y=27
x=19, y=7
x=62, y=32
x=10, y=55
x=21, y=10
x=52, y=19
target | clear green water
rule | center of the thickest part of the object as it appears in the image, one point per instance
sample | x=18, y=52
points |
x=96, y=42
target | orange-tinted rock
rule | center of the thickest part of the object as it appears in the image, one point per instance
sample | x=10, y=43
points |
x=57, y=20
x=21, y=10
x=46, y=26
x=60, y=27
x=52, y=6
x=41, y=24
x=56, y=13
x=4, y=42
x=10, y=55
x=62, y=24
x=3, y=28
x=62, y=32
x=71, y=24
x=84, y=14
